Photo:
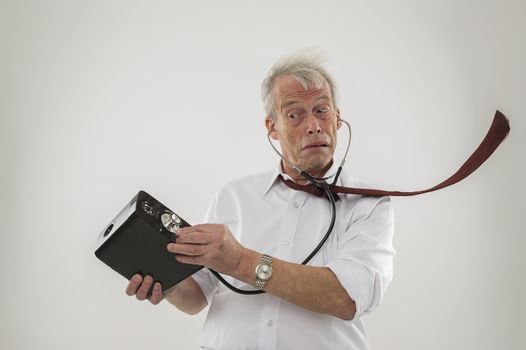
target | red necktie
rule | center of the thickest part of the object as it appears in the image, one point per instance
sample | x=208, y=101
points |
x=496, y=134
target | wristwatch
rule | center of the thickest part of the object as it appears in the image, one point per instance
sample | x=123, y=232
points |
x=263, y=271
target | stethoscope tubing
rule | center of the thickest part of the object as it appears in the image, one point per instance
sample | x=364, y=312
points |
x=319, y=182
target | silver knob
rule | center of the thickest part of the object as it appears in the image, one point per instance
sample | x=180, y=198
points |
x=148, y=208
x=171, y=221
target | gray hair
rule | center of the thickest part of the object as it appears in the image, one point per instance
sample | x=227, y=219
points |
x=305, y=67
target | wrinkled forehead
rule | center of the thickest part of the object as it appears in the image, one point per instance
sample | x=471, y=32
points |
x=289, y=87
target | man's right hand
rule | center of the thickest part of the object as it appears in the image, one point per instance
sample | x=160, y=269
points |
x=140, y=286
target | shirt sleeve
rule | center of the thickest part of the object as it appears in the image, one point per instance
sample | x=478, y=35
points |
x=204, y=278
x=364, y=261
x=207, y=282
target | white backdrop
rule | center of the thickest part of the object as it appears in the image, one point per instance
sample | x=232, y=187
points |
x=99, y=99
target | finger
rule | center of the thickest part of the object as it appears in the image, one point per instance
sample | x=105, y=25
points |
x=142, y=292
x=157, y=294
x=196, y=228
x=188, y=249
x=194, y=260
x=196, y=237
x=135, y=282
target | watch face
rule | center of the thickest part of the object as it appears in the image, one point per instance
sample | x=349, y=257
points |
x=264, y=271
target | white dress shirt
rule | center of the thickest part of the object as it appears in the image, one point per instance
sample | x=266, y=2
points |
x=268, y=217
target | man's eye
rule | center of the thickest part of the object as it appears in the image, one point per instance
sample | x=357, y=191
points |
x=293, y=116
x=323, y=112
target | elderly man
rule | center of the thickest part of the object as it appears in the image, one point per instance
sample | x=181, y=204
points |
x=260, y=229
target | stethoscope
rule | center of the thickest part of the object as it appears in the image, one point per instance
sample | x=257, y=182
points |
x=318, y=182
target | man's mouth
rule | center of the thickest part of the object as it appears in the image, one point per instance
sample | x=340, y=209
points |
x=316, y=145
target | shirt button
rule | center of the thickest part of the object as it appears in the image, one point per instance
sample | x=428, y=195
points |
x=295, y=205
x=270, y=323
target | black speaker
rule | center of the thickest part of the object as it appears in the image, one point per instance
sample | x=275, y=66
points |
x=135, y=242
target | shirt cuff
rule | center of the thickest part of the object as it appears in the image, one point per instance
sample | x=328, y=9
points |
x=357, y=280
x=207, y=282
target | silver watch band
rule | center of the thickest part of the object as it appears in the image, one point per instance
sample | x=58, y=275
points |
x=265, y=259
x=260, y=283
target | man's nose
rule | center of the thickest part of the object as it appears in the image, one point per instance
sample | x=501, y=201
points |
x=313, y=124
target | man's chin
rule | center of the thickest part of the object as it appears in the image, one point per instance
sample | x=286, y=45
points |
x=316, y=165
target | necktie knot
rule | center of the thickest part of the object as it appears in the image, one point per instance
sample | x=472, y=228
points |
x=316, y=190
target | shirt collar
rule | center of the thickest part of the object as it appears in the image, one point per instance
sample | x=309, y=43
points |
x=279, y=171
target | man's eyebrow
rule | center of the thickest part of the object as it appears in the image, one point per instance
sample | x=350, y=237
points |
x=287, y=103
x=323, y=97
x=291, y=102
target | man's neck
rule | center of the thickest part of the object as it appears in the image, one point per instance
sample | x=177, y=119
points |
x=298, y=178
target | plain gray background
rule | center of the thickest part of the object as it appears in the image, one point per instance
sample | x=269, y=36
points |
x=99, y=99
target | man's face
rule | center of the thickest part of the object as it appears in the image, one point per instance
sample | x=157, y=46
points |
x=305, y=124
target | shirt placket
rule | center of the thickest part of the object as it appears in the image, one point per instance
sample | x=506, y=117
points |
x=287, y=234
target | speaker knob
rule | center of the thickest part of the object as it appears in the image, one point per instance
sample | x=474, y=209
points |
x=170, y=221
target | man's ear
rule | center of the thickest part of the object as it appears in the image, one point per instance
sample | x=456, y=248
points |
x=270, y=123
x=339, y=121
